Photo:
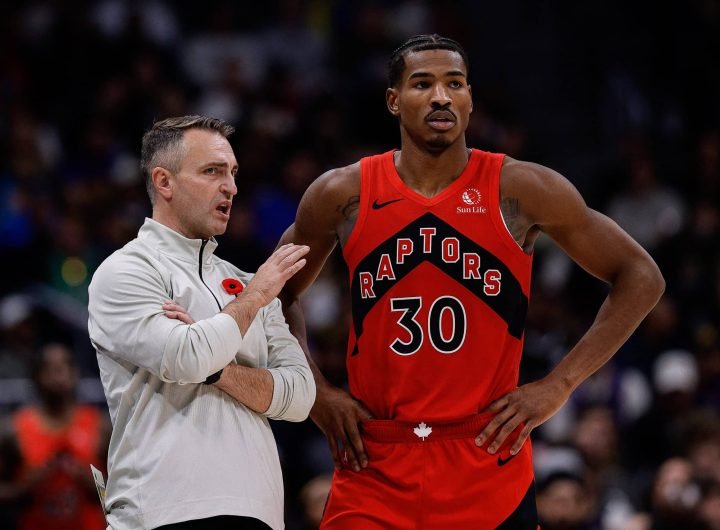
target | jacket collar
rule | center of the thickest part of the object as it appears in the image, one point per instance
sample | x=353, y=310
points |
x=172, y=243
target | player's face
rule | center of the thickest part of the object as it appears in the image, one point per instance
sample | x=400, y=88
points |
x=433, y=100
x=204, y=186
x=57, y=377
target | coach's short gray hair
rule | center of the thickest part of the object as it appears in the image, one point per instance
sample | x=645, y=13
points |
x=162, y=143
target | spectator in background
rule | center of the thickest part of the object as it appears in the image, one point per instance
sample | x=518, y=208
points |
x=596, y=437
x=57, y=440
x=703, y=446
x=709, y=508
x=663, y=430
x=72, y=259
x=648, y=210
x=10, y=462
x=566, y=502
x=19, y=332
x=674, y=499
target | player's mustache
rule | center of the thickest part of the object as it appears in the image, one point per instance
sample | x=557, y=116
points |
x=441, y=114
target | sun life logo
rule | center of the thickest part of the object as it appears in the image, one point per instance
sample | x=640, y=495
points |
x=471, y=196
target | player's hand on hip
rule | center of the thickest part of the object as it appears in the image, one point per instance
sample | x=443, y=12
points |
x=271, y=276
x=528, y=406
x=176, y=311
x=338, y=415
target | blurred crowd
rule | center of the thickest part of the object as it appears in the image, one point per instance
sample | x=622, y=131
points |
x=623, y=98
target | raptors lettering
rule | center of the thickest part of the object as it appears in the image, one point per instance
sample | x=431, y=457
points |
x=450, y=252
x=457, y=258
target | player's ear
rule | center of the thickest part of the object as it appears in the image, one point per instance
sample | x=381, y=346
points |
x=471, y=100
x=392, y=100
x=162, y=181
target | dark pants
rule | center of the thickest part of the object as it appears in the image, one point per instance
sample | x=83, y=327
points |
x=222, y=522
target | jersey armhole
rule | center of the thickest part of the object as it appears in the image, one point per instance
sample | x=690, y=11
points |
x=362, y=208
x=496, y=214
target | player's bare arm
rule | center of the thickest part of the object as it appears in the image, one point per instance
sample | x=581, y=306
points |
x=329, y=203
x=326, y=215
x=536, y=199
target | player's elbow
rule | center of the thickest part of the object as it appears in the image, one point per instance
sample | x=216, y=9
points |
x=659, y=282
x=650, y=281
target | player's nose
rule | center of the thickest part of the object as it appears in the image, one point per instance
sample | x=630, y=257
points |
x=440, y=94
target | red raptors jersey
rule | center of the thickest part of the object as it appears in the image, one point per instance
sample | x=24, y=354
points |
x=439, y=294
x=59, y=500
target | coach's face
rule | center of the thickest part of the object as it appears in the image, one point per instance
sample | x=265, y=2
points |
x=202, y=190
x=433, y=100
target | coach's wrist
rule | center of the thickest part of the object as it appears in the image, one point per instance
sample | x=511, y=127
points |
x=213, y=378
x=251, y=299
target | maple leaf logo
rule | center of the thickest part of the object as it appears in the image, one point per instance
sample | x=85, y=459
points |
x=422, y=431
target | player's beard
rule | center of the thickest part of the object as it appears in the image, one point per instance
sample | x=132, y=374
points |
x=435, y=144
x=438, y=143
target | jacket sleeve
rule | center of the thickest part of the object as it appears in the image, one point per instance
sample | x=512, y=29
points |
x=294, y=386
x=126, y=322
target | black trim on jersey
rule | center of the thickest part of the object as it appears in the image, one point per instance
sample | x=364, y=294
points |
x=510, y=304
x=525, y=516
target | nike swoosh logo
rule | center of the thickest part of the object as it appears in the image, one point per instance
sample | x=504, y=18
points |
x=377, y=205
x=502, y=462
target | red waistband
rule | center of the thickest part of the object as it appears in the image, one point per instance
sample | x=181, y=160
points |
x=424, y=431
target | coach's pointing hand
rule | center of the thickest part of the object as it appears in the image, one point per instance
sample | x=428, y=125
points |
x=279, y=268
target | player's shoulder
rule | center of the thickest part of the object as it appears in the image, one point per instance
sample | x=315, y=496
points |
x=539, y=191
x=336, y=183
x=523, y=170
x=521, y=175
x=341, y=177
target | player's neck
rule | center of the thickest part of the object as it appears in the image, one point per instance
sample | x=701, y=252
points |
x=58, y=414
x=429, y=173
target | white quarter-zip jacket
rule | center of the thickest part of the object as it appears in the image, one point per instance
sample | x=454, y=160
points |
x=180, y=449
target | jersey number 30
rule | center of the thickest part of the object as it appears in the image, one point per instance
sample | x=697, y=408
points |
x=445, y=341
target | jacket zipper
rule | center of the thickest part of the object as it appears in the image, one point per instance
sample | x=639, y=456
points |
x=200, y=264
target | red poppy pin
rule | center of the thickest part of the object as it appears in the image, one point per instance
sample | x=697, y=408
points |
x=232, y=286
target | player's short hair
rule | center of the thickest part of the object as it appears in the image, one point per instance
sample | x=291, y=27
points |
x=38, y=358
x=161, y=145
x=418, y=43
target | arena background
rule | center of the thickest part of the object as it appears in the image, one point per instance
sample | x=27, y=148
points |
x=622, y=97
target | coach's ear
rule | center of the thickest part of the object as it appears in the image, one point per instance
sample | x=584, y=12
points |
x=391, y=98
x=162, y=182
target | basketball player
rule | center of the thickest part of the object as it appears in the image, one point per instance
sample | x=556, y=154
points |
x=58, y=438
x=438, y=239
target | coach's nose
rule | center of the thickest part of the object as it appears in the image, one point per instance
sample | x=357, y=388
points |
x=229, y=187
